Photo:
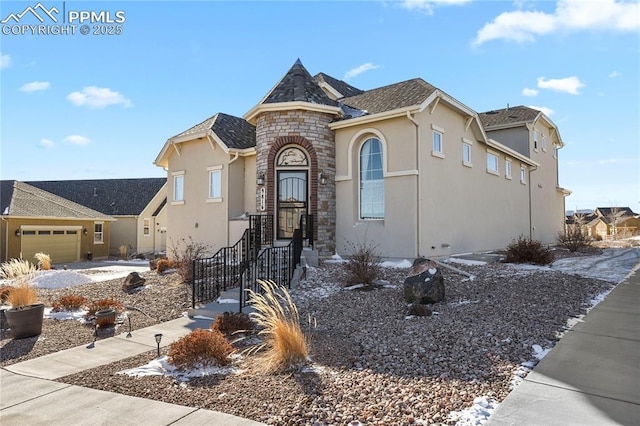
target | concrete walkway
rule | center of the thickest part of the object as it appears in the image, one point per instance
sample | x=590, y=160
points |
x=28, y=396
x=592, y=376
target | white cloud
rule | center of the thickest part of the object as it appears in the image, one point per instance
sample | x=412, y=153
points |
x=34, y=86
x=426, y=6
x=569, y=85
x=569, y=15
x=529, y=92
x=5, y=60
x=47, y=143
x=98, y=97
x=614, y=74
x=77, y=140
x=354, y=72
x=547, y=111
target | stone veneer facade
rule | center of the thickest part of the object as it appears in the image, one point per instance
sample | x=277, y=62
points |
x=308, y=130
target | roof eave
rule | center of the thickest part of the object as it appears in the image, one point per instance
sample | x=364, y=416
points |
x=288, y=106
x=385, y=115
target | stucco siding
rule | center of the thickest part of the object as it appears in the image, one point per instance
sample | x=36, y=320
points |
x=196, y=216
x=123, y=232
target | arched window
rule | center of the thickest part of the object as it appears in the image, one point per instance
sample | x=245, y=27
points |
x=371, y=180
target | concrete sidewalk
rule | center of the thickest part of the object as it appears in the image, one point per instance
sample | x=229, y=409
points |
x=28, y=396
x=592, y=376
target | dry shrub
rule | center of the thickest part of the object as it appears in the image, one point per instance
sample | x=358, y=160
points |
x=183, y=253
x=22, y=295
x=231, y=322
x=574, y=238
x=16, y=268
x=163, y=265
x=363, y=266
x=4, y=292
x=285, y=345
x=123, y=249
x=44, y=261
x=69, y=302
x=200, y=348
x=100, y=304
x=526, y=250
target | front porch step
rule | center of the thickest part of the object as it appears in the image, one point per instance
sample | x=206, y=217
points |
x=311, y=257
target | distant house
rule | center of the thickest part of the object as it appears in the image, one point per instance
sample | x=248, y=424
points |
x=607, y=222
x=404, y=166
x=129, y=212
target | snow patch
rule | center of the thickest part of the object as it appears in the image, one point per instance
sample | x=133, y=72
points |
x=399, y=265
x=467, y=262
x=477, y=414
x=162, y=367
x=66, y=315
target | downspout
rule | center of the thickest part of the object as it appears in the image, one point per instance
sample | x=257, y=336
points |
x=235, y=157
x=530, y=205
x=419, y=195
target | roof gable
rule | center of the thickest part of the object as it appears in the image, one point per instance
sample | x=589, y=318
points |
x=512, y=115
x=29, y=201
x=234, y=132
x=345, y=89
x=394, y=96
x=297, y=85
x=113, y=197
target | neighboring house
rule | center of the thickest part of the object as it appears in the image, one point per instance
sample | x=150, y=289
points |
x=406, y=166
x=135, y=208
x=608, y=222
x=35, y=221
x=137, y=204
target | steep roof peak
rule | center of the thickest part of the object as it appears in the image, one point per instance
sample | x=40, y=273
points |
x=297, y=85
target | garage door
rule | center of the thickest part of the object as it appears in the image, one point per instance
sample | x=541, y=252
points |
x=62, y=245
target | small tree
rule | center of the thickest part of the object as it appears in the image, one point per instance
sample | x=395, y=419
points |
x=614, y=217
x=574, y=237
x=183, y=253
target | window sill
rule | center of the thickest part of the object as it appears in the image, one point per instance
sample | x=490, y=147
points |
x=524, y=182
x=214, y=200
x=177, y=203
x=467, y=164
x=507, y=177
x=437, y=154
x=493, y=172
x=96, y=243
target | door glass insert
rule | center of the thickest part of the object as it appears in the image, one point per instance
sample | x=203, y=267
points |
x=292, y=201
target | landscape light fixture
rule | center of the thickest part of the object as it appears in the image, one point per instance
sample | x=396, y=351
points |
x=158, y=337
x=260, y=179
x=129, y=318
x=18, y=233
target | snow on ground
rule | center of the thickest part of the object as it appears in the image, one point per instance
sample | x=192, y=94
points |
x=612, y=265
x=404, y=263
x=162, y=367
x=66, y=315
x=477, y=414
x=467, y=262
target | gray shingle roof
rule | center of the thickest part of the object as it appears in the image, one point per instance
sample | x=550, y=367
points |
x=606, y=212
x=6, y=192
x=30, y=201
x=511, y=115
x=298, y=86
x=344, y=88
x=108, y=196
x=234, y=132
x=394, y=96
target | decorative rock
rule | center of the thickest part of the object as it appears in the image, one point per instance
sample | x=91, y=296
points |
x=425, y=283
x=132, y=282
x=419, y=310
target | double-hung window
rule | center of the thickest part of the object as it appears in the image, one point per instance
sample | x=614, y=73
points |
x=98, y=233
x=492, y=163
x=371, y=180
x=507, y=169
x=466, y=154
x=146, y=227
x=437, y=147
x=178, y=187
x=215, y=183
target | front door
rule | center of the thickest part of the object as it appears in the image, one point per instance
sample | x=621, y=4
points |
x=292, y=201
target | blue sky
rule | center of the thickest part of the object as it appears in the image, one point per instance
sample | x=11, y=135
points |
x=93, y=106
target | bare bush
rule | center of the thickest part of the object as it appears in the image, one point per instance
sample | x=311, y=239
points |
x=526, y=250
x=183, y=253
x=200, y=348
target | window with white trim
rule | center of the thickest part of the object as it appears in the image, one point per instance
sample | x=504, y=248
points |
x=146, y=227
x=555, y=151
x=507, y=169
x=371, y=180
x=492, y=163
x=178, y=187
x=437, y=142
x=98, y=232
x=215, y=183
x=535, y=140
x=523, y=174
x=466, y=154
x=544, y=143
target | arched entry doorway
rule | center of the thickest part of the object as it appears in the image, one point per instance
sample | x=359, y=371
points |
x=292, y=198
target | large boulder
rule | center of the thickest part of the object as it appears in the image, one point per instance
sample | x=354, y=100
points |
x=132, y=282
x=425, y=283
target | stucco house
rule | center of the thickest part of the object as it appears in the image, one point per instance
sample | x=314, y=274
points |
x=406, y=166
x=114, y=212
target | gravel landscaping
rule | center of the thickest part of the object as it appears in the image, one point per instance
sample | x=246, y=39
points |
x=370, y=363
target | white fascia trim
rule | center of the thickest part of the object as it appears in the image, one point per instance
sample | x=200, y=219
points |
x=457, y=105
x=52, y=227
x=212, y=136
x=330, y=88
x=288, y=106
x=565, y=192
x=246, y=152
x=92, y=219
x=162, y=190
x=506, y=150
x=507, y=125
x=386, y=115
x=550, y=123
